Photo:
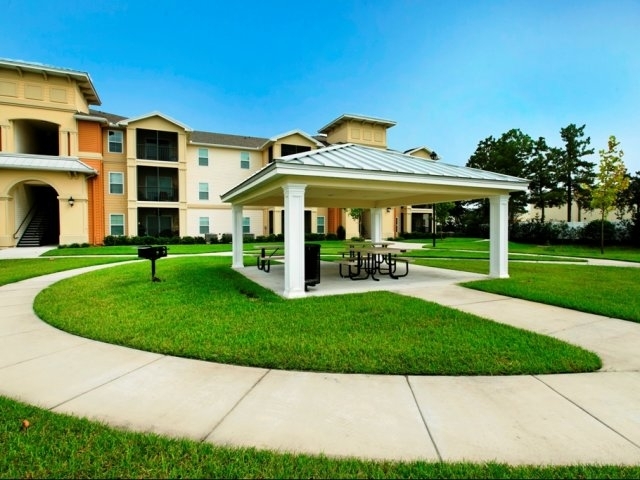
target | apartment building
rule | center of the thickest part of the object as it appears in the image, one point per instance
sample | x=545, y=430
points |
x=70, y=173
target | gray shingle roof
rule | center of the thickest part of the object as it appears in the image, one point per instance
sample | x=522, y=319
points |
x=110, y=117
x=210, y=138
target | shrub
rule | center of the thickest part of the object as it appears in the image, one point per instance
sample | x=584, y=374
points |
x=341, y=232
x=226, y=238
x=592, y=230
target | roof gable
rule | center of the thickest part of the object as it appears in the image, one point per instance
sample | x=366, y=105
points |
x=155, y=114
x=85, y=84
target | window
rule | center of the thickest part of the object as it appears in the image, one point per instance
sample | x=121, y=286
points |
x=116, y=224
x=286, y=149
x=204, y=225
x=203, y=157
x=244, y=160
x=203, y=191
x=320, y=225
x=116, y=183
x=246, y=225
x=115, y=141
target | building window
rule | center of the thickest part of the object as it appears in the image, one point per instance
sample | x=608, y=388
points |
x=244, y=160
x=203, y=157
x=286, y=149
x=116, y=224
x=320, y=225
x=246, y=225
x=115, y=141
x=203, y=191
x=204, y=225
x=116, y=183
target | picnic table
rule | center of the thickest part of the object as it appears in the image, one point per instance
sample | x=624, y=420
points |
x=265, y=254
x=360, y=263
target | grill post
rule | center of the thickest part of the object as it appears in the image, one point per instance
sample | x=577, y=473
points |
x=152, y=253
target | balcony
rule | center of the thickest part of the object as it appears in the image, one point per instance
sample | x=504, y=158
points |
x=156, y=145
x=157, y=184
x=147, y=151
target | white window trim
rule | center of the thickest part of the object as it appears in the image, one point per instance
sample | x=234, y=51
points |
x=123, y=225
x=121, y=142
x=114, y=183
x=200, y=225
x=201, y=157
x=201, y=191
x=242, y=160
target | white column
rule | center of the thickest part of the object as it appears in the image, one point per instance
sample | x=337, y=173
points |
x=294, y=240
x=499, y=236
x=376, y=224
x=236, y=236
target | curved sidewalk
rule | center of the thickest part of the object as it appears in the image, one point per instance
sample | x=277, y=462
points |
x=535, y=419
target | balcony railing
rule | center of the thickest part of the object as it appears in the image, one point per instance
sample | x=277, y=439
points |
x=166, y=153
x=155, y=194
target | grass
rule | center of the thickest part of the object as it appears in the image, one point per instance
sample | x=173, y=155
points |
x=608, y=291
x=205, y=310
x=60, y=446
x=453, y=245
x=15, y=270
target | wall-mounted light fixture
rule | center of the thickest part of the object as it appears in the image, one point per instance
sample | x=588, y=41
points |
x=71, y=201
x=388, y=210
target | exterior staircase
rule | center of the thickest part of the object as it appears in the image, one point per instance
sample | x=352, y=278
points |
x=36, y=231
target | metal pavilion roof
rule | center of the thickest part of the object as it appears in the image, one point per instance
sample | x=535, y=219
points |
x=349, y=175
x=23, y=161
x=358, y=157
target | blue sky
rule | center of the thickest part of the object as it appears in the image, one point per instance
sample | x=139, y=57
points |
x=450, y=73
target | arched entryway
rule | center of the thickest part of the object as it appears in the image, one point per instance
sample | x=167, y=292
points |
x=37, y=215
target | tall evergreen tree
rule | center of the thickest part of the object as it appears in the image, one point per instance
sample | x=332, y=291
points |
x=541, y=170
x=509, y=155
x=575, y=172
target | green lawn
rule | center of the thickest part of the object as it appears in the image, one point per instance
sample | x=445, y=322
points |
x=92, y=450
x=60, y=446
x=203, y=309
x=15, y=270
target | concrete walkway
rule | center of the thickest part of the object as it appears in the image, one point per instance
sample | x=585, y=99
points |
x=534, y=419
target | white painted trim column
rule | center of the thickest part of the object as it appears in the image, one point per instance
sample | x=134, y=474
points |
x=499, y=236
x=236, y=236
x=294, y=240
x=376, y=224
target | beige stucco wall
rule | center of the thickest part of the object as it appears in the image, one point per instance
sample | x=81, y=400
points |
x=154, y=123
x=34, y=97
x=360, y=132
x=13, y=203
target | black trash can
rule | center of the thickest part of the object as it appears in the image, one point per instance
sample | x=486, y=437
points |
x=311, y=264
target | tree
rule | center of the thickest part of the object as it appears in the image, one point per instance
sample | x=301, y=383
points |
x=572, y=170
x=628, y=201
x=541, y=169
x=508, y=155
x=356, y=214
x=611, y=181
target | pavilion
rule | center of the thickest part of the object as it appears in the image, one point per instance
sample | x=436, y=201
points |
x=356, y=176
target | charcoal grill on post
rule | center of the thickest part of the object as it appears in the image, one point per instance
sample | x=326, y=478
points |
x=152, y=253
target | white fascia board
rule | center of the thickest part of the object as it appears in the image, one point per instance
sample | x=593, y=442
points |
x=380, y=176
x=155, y=113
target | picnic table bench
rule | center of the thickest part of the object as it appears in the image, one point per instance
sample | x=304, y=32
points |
x=264, y=258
